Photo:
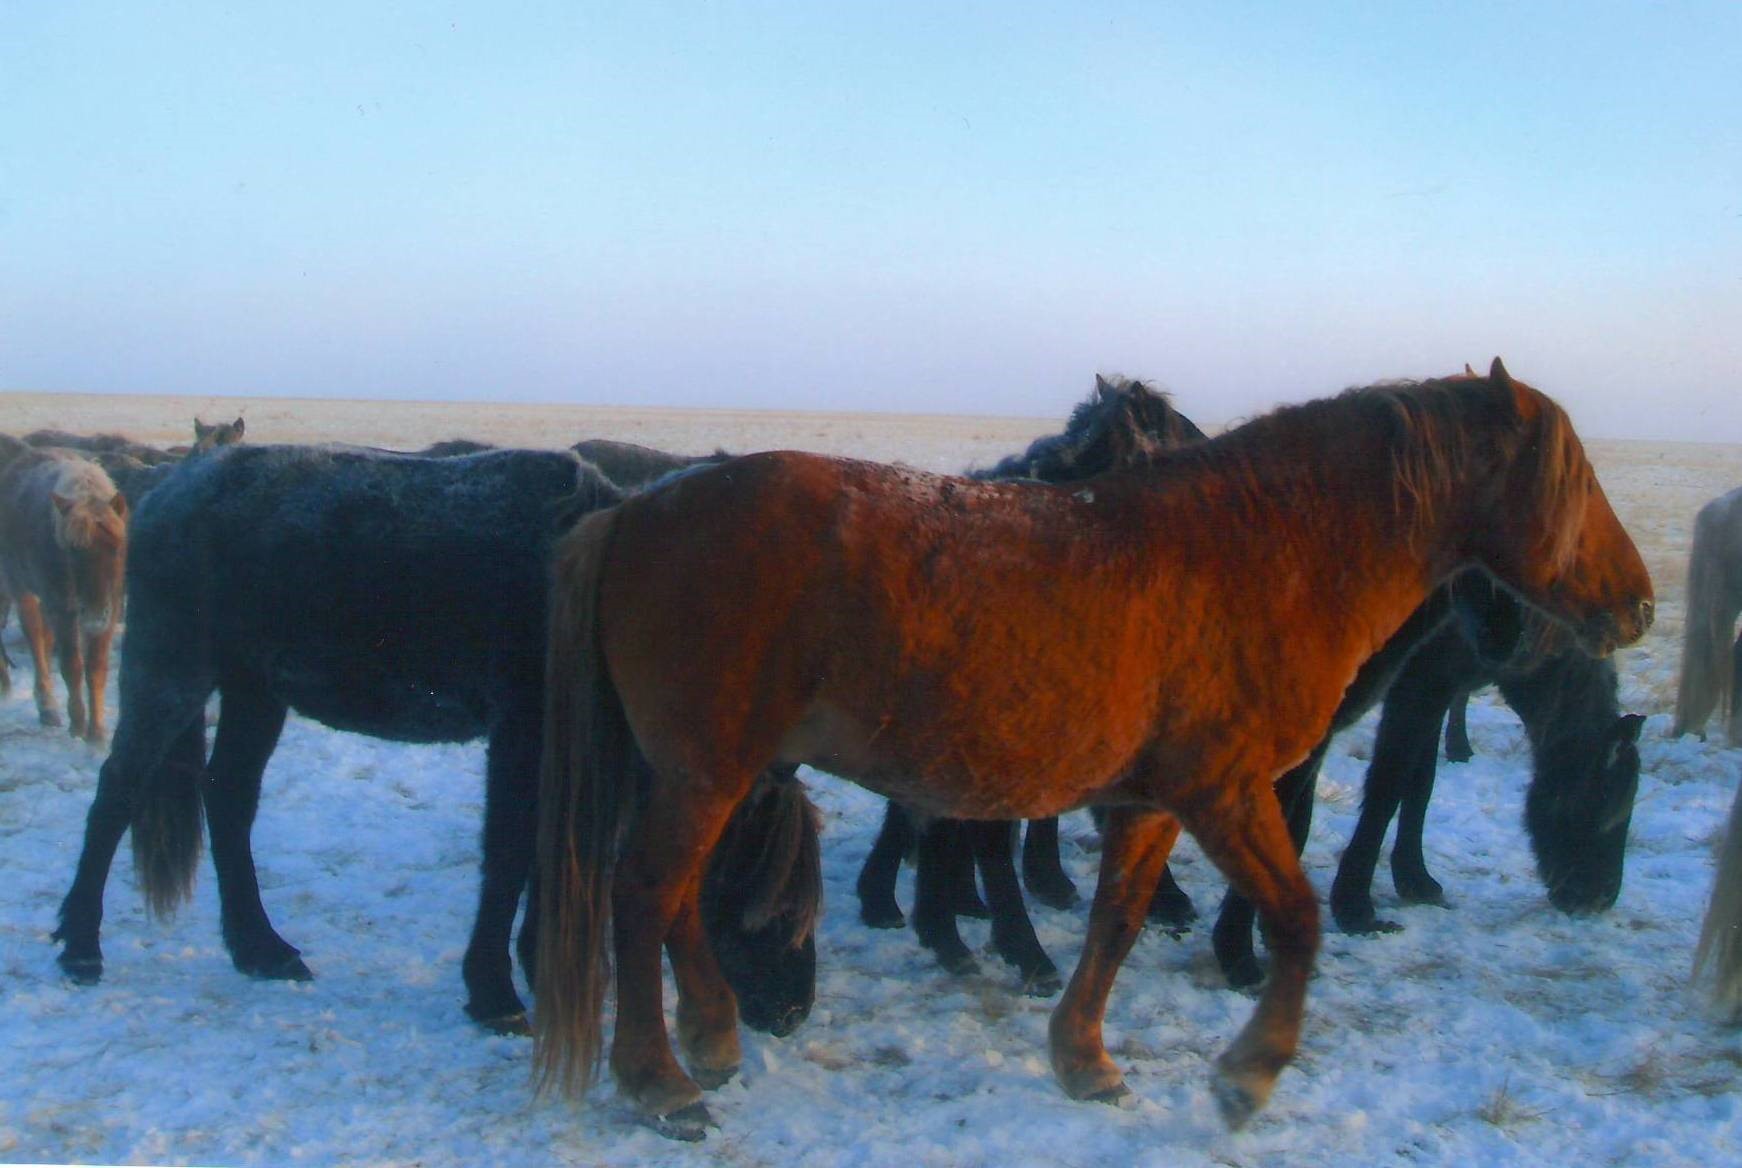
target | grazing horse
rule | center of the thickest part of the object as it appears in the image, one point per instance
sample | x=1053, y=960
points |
x=63, y=552
x=385, y=595
x=1584, y=753
x=1718, y=957
x=1011, y=650
x=1710, y=661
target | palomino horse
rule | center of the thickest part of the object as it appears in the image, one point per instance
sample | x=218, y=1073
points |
x=397, y=597
x=1164, y=641
x=1719, y=955
x=1709, y=658
x=63, y=552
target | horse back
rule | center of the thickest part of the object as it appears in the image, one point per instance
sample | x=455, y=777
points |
x=886, y=624
x=388, y=595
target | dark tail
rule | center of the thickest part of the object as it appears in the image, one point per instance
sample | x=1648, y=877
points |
x=1719, y=955
x=589, y=781
x=169, y=822
x=1705, y=674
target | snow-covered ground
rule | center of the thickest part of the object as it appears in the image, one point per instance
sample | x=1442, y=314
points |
x=1497, y=1032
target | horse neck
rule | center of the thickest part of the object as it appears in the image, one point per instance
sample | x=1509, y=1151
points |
x=1318, y=511
x=1563, y=700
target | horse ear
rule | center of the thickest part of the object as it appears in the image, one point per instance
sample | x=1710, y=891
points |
x=201, y=429
x=1468, y=372
x=239, y=427
x=1103, y=389
x=1497, y=373
x=1631, y=725
x=63, y=503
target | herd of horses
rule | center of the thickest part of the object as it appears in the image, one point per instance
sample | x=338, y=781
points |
x=1130, y=616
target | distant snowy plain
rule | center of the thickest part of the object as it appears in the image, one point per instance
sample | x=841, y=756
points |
x=1497, y=1032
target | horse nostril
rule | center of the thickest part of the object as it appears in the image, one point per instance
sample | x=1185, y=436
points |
x=1647, y=610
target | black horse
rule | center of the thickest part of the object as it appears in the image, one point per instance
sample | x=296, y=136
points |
x=393, y=596
x=1121, y=424
x=630, y=465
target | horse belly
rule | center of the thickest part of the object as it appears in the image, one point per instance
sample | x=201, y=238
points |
x=393, y=706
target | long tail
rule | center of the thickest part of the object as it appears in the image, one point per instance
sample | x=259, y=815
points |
x=169, y=822
x=1706, y=679
x=1720, y=947
x=590, y=778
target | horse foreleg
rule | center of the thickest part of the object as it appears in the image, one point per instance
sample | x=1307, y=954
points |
x=1249, y=841
x=510, y=823
x=1458, y=729
x=249, y=723
x=1012, y=930
x=97, y=681
x=69, y=649
x=1134, y=847
x=41, y=642
x=1043, y=873
x=1409, y=874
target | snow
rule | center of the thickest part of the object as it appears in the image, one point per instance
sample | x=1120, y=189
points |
x=1497, y=1032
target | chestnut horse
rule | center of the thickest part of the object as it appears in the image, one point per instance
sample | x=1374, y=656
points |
x=1183, y=631
x=63, y=552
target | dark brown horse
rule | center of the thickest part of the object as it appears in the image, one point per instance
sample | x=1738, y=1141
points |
x=63, y=551
x=1169, y=679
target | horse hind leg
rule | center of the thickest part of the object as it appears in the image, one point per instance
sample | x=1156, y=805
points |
x=69, y=649
x=945, y=860
x=159, y=730
x=249, y=722
x=876, y=884
x=1134, y=848
x=1251, y=845
x=510, y=819
x=1012, y=930
x=1043, y=873
x=655, y=905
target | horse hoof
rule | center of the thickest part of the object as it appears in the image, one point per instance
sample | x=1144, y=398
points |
x=507, y=1025
x=712, y=1078
x=1235, y=1101
x=1118, y=1095
x=288, y=969
x=1244, y=974
x=85, y=971
x=689, y=1123
x=1042, y=983
x=962, y=966
x=882, y=918
x=49, y=717
x=1060, y=896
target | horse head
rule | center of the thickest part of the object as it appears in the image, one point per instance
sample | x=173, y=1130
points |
x=1578, y=809
x=760, y=900
x=221, y=434
x=1542, y=524
x=93, y=532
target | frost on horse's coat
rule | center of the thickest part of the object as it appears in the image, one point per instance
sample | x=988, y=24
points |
x=1015, y=649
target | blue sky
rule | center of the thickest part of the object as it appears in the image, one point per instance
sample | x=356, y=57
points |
x=956, y=208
